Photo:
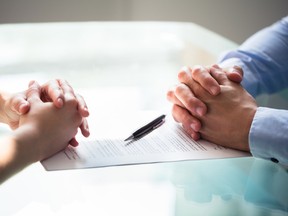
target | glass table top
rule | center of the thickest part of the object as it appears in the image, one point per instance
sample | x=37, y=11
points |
x=122, y=67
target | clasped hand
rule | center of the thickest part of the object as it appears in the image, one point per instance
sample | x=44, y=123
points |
x=45, y=119
x=58, y=92
x=211, y=104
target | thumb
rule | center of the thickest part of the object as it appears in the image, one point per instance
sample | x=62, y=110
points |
x=235, y=74
x=33, y=92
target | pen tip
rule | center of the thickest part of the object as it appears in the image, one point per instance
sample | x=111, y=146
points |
x=130, y=137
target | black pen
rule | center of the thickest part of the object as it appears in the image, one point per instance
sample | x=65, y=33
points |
x=147, y=128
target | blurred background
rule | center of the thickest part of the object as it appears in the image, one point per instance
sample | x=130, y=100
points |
x=233, y=19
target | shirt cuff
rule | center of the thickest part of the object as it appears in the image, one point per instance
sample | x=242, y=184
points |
x=268, y=137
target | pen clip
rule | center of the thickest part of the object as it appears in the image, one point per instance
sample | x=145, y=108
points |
x=151, y=129
x=143, y=131
x=158, y=125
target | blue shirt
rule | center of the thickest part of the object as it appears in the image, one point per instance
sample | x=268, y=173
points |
x=264, y=59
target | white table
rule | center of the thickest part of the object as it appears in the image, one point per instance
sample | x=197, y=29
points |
x=121, y=68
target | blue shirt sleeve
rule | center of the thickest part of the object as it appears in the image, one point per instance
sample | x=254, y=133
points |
x=264, y=59
x=268, y=136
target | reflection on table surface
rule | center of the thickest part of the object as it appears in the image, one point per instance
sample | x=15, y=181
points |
x=124, y=67
x=250, y=186
x=243, y=186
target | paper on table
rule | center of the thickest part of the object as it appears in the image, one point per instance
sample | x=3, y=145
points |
x=167, y=143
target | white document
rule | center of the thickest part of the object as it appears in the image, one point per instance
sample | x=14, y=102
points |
x=169, y=142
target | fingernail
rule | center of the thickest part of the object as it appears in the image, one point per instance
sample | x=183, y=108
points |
x=200, y=111
x=194, y=127
x=214, y=90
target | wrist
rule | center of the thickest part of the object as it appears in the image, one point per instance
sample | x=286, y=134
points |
x=26, y=139
x=15, y=155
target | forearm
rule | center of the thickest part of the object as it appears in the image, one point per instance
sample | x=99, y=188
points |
x=15, y=153
x=264, y=58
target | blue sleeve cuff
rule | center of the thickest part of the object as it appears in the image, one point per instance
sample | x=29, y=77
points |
x=268, y=136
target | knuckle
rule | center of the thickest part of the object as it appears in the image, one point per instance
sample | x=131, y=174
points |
x=197, y=90
x=196, y=71
x=191, y=102
x=178, y=90
x=207, y=79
